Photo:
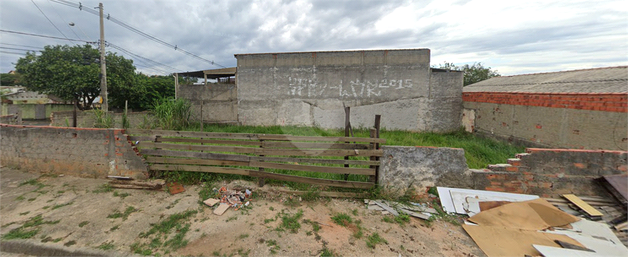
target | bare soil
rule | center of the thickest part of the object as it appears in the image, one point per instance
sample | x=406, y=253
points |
x=81, y=213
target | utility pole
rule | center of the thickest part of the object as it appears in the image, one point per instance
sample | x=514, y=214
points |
x=103, y=66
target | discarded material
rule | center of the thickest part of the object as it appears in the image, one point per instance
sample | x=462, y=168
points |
x=467, y=201
x=416, y=210
x=229, y=198
x=592, y=212
x=133, y=184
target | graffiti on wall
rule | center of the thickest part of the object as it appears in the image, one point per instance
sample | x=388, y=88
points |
x=345, y=89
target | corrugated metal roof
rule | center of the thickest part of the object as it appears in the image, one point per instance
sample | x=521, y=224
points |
x=599, y=80
x=212, y=74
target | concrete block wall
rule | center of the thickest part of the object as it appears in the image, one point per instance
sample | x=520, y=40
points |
x=312, y=88
x=418, y=168
x=86, y=119
x=565, y=120
x=220, y=101
x=83, y=152
x=552, y=172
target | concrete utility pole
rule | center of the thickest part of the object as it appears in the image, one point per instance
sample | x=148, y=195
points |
x=103, y=65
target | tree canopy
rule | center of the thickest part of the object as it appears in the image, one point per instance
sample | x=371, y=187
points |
x=73, y=73
x=472, y=73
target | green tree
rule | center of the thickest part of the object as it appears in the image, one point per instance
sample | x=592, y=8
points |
x=472, y=73
x=7, y=79
x=73, y=73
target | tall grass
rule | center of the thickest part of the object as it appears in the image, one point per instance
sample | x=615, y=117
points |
x=172, y=114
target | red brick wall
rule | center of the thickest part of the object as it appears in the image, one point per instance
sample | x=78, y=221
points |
x=612, y=102
x=552, y=172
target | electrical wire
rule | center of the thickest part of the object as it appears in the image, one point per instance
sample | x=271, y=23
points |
x=66, y=23
x=36, y=47
x=154, y=63
x=42, y=12
x=137, y=31
x=44, y=36
x=5, y=52
x=18, y=49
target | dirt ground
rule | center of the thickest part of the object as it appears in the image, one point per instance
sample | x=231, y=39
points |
x=72, y=212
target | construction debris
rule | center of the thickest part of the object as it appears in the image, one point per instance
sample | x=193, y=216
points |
x=175, y=188
x=507, y=224
x=228, y=199
x=388, y=207
x=134, y=184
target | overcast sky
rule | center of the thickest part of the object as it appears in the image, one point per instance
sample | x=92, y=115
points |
x=513, y=37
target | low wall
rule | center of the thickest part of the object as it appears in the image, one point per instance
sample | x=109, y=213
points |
x=34, y=111
x=219, y=101
x=83, y=152
x=565, y=120
x=87, y=119
x=406, y=168
x=552, y=172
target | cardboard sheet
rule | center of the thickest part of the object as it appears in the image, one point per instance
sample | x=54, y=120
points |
x=503, y=241
x=466, y=201
x=535, y=214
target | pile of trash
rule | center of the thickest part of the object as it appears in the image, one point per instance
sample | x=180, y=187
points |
x=229, y=198
x=507, y=224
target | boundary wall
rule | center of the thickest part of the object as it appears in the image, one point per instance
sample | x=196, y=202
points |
x=312, y=89
x=220, y=101
x=82, y=152
x=565, y=120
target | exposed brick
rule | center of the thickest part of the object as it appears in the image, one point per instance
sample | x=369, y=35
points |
x=498, y=189
x=580, y=165
x=514, y=161
x=512, y=169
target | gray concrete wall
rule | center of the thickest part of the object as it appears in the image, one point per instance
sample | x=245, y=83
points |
x=95, y=153
x=220, y=101
x=552, y=127
x=87, y=119
x=311, y=89
x=406, y=168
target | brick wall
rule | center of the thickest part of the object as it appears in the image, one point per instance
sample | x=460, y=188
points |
x=612, y=102
x=84, y=152
x=554, y=120
x=552, y=172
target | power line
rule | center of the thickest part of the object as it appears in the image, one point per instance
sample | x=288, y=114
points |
x=18, y=49
x=66, y=23
x=36, y=47
x=137, y=31
x=141, y=57
x=5, y=52
x=44, y=36
x=42, y=12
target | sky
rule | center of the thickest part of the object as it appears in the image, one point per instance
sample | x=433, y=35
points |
x=512, y=37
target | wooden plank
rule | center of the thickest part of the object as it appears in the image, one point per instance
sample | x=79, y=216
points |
x=142, y=138
x=211, y=141
x=313, y=160
x=321, y=139
x=209, y=169
x=171, y=133
x=211, y=148
x=164, y=160
x=583, y=206
x=324, y=193
x=313, y=181
x=306, y=145
x=333, y=152
x=211, y=156
x=326, y=169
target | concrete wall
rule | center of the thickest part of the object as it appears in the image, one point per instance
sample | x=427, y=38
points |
x=311, y=88
x=552, y=172
x=220, y=101
x=94, y=153
x=35, y=111
x=87, y=119
x=580, y=121
x=406, y=168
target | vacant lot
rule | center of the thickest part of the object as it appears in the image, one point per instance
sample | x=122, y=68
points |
x=84, y=213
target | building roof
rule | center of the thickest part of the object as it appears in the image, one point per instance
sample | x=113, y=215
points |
x=599, y=80
x=211, y=74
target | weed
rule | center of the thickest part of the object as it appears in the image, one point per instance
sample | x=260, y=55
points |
x=243, y=236
x=163, y=228
x=271, y=208
x=177, y=241
x=268, y=220
x=32, y=199
x=19, y=198
x=342, y=219
x=291, y=222
x=106, y=246
x=273, y=246
x=8, y=224
x=124, y=215
x=104, y=188
x=33, y=182
x=172, y=114
x=388, y=219
x=374, y=239
x=354, y=212
x=82, y=224
x=311, y=195
x=207, y=191
x=46, y=207
x=114, y=228
x=139, y=249
x=56, y=240
x=232, y=218
x=57, y=206
x=121, y=195
x=70, y=243
x=102, y=119
x=328, y=253
x=20, y=233
x=24, y=213
x=60, y=192
x=242, y=253
x=402, y=218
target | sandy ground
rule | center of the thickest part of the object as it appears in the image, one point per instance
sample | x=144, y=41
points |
x=76, y=215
